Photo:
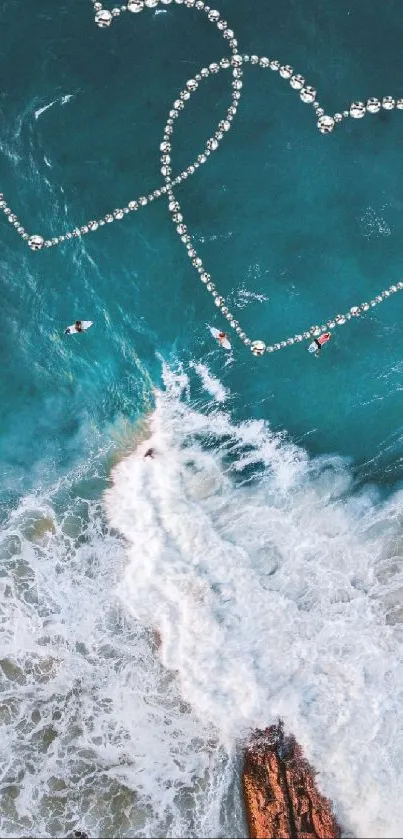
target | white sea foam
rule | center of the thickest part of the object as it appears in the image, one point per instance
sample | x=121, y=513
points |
x=63, y=100
x=94, y=733
x=243, y=295
x=213, y=237
x=373, y=224
x=276, y=593
x=211, y=384
x=41, y=111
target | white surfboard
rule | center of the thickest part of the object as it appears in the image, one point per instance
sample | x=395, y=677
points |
x=223, y=342
x=85, y=324
x=313, y=347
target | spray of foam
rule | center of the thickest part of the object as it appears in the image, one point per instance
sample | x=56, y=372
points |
x=276, y=591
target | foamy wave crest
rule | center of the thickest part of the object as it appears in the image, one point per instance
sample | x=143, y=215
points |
x=277, y=592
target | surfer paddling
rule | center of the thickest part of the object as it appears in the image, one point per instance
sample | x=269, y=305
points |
x=221, y=338
x=78, y=326
x=318, y=343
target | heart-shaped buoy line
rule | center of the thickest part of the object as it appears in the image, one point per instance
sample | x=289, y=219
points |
x=307, y=94
x=104, y=18
x=325, y=123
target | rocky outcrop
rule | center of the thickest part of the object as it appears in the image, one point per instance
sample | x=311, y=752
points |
x=280, y=794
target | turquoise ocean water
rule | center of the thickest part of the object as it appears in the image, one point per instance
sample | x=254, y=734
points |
x=265, y=541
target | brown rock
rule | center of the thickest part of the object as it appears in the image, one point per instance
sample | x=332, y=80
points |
x=280, y=794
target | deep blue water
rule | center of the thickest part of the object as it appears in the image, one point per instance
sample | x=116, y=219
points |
x=287, y=213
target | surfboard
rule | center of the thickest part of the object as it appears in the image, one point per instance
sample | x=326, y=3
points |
x=313, y=347
x=222, y=342
x=71, y=330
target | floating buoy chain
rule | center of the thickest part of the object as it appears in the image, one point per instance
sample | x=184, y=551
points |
x=234, y=63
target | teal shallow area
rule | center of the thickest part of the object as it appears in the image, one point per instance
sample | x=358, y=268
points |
x=312, y=224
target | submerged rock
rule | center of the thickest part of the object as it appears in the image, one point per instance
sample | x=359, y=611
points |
x=280, y=794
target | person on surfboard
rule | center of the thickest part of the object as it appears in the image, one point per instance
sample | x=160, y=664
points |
x=221, y=338
x=320, y=342
x=78, y=326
